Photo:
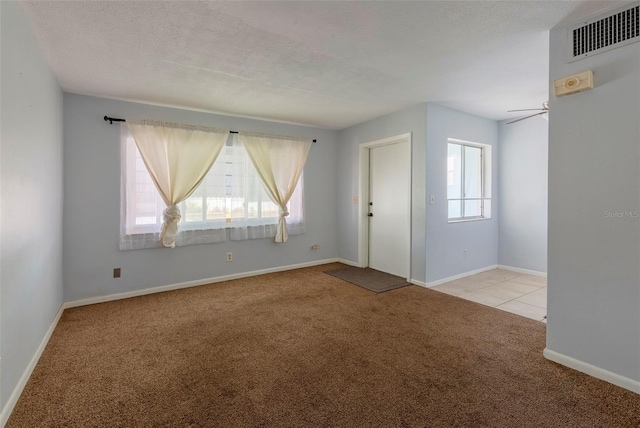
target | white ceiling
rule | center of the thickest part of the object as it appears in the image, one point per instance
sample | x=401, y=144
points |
x=325, y=64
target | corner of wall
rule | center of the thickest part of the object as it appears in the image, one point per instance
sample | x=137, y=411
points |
x=456, y=248
x=31, y=177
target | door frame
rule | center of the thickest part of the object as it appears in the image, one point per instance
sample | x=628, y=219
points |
x=363, y=196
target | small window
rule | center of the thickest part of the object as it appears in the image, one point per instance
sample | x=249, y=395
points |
x=468, y=181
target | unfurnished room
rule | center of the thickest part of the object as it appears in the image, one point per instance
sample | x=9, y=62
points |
x=318, y=213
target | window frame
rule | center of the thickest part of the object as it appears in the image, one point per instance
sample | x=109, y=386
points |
x=144, y=236
x=485, y=182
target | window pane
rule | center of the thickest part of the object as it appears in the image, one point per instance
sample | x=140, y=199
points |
x=455, y=209
x=466, y=181
x=216, y=208
x=213, y=188
x=193, y=209
x=146, y=200
x=232, y=191
x=454, y=171
x=472, y=173
x=230, y=196
x=269, y=209
x=472, y=208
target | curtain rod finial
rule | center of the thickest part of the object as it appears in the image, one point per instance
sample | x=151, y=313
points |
x=113, y=119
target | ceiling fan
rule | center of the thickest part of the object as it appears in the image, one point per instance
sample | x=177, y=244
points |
x=543, y=110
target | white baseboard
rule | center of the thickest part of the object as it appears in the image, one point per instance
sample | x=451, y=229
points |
x=416, y=282
x=22, y=382
x=348, y=262
x=162, y=288
x=581, y=366
x=520, y=270
x=459, y=276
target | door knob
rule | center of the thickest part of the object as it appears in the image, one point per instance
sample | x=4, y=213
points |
x=370, y=214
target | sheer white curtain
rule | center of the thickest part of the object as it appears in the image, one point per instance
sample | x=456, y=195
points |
x=279, y=162
x=177, y=157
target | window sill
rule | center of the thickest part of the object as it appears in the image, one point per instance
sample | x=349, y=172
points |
x=139, y=241
x=467, y=220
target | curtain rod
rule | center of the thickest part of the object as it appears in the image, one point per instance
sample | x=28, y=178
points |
x=114, y=119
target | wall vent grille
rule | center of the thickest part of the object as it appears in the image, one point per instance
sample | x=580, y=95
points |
x=601, y=34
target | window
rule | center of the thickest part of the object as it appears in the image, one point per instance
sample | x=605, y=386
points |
x=468, y=181
x=229, y=204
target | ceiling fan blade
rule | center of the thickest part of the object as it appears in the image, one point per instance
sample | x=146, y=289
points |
x=527, y=117
x=527, y=109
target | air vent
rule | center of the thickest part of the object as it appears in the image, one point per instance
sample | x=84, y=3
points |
x=601, y=34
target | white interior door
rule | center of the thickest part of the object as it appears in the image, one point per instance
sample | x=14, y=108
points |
x=390, y=208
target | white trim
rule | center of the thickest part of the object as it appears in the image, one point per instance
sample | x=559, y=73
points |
x=416, y=282
x=183, y=107
x=363, y=194
x=466, y=220
x=459, y=276
x=467, y=143
x=597, y=372
x=22, y=382
x=348, y=262
x=169, y=287
x=520, y=270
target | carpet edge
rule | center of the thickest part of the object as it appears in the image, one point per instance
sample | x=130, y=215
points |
x=194, y=283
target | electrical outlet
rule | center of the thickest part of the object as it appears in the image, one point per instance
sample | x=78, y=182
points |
x=315, y=247
x=229, y=257
x=464, y=252
x=116, y=272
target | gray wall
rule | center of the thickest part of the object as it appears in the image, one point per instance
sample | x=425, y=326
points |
x=411, y=120
x=594, y=171
x=446, y=241
x=92, y=206
x=523, y=169
x=437, y=247
x=30, y=198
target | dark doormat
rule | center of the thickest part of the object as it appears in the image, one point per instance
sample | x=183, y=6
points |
x=371, y=279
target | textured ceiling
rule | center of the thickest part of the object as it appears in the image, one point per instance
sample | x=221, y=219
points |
x=325, y=64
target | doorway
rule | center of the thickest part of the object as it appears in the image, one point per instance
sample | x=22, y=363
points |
x=385, y=205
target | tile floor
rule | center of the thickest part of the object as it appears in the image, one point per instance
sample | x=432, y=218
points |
x=518, y=293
